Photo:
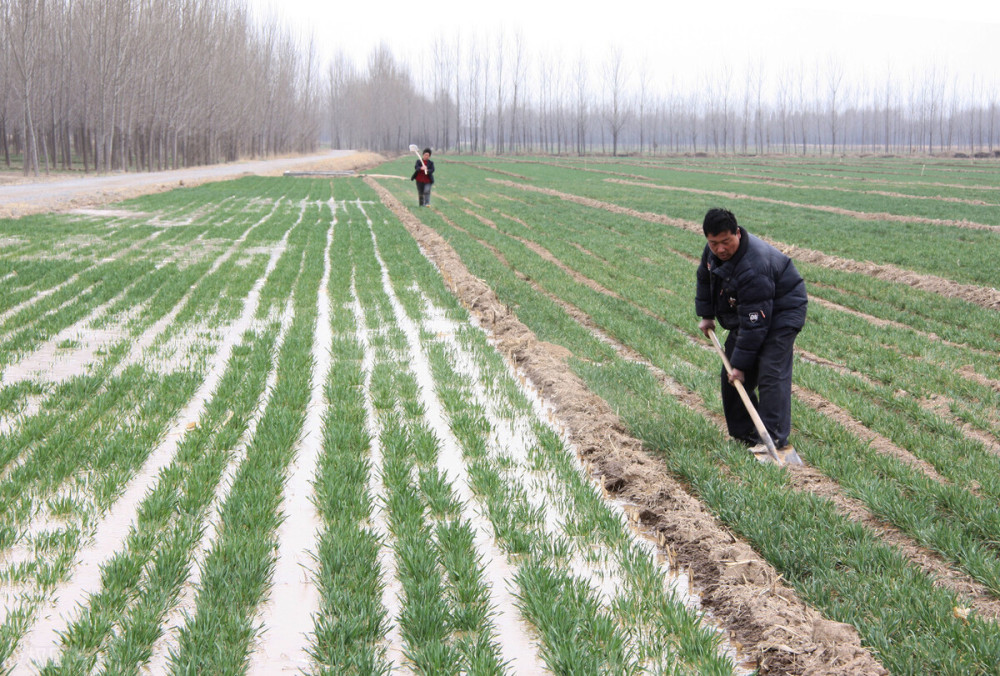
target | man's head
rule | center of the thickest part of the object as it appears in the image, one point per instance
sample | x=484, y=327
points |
x=722, y=233
x=427, y=153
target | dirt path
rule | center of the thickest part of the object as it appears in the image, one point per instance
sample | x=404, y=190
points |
x=20, y=196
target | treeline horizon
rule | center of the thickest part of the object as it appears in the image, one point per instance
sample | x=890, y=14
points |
x=494, y=96
x=145, y=85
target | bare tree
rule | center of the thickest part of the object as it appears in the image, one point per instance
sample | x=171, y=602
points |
x=888, y=93
x=442, y=79
x=994, y=119
x=545, y=103
x=643, y=101
x=726, y=91
x=616, y=111
x=784, y=101
x=756, y=83
x=457, y=81
x=517, y=86
x=475, y=91
x=501, y=94
x=150, y=84
x=693, y=113
x=582, y=99
x=834, y=81
x=24, y=24
x=803, y=113
x=748, y=85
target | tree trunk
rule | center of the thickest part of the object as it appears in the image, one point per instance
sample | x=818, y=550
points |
x=31, y=143
x=3, y=140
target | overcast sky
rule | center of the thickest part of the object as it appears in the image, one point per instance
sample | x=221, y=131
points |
x=678, y=39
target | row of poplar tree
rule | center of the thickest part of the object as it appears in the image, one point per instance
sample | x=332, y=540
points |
x=144, y=85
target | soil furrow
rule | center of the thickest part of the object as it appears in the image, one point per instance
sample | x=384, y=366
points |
x=840, y=211
x=772, y=180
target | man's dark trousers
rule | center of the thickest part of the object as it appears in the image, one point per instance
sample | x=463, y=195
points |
x=772, y=377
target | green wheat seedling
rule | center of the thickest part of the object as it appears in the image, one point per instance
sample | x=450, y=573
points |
x=44, y=319
x=236, y=571
x=424, y=616
x=553, y=325
x=14, y=397
x=828, y=232
x=657, y=619
x=694, y=245
x=932, y=366
x=67, y=451
x=443, y=622
x=229, y=281
x=663, y=620
x=59, y=404
x=931, y=313
x=351, y=623
x=441, y=363
x=104, y=472
x=60, y=270
x=442, y=625
x=280, y=283
x=168, y=526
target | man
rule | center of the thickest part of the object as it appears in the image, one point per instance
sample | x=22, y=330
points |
x=423, y=174
x=753, y=290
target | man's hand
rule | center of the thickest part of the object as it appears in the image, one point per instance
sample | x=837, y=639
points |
x=706, y=325
x=735, y=375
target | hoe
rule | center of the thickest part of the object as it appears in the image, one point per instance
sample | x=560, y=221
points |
x=415, y=149
x=782, y=457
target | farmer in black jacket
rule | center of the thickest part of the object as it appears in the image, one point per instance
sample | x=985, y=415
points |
x=423, y=174
x=753, y=290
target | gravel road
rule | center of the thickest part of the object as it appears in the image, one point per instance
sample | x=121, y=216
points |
x=20, y=196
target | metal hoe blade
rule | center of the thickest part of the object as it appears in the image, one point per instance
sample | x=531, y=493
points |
x=415, y=149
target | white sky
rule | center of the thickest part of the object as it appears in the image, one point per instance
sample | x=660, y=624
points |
x=685, y=39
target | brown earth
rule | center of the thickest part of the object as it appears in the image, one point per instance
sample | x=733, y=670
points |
x=765, y=617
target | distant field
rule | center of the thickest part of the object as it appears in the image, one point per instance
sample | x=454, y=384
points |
x=301, y=424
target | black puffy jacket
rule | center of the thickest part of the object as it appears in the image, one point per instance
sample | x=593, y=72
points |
x=755, y=290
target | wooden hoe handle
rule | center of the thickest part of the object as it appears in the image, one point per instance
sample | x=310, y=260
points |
x=758, y=423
